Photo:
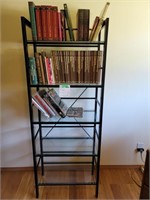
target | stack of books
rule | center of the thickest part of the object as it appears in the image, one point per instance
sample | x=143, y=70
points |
x=50, y=23
x=50, y=104
x=66, y=67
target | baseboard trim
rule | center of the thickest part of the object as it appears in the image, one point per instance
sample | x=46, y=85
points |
x=3, y=169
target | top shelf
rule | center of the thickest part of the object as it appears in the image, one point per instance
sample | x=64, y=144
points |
x=66, y=43
x=48, y=43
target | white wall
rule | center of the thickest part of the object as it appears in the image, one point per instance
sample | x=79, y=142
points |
x=126, y=106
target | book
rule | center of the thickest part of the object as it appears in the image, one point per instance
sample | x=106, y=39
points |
x=75, y=112
x=60, y=106
x=38, y=22
x=94, y=27
x=54, y=99
x=83, y=18
x=69, y=22
x=80, y=30
x=38, y=67
x=32, y=70
x=100, y=23
x=38, y=106
x=55, y=23
x=39, y=99
x=86, y=21
x=63, y=24
x=31, y=7
x=76, y=66
x=44, y=11
x=49, y=17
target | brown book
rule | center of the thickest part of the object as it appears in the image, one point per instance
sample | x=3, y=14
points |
x=38, y=67
x=43, y=53
x=63, y=25
x=82, y=60
x=94, y=27
x=79, y=70
x=54, y=64
x=99, y=66
x=86, y=20
x=42, y=68
x=80, y=25
x=38, y=22
x=83, y=16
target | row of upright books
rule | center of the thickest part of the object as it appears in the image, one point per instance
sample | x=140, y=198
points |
x=50, y=104
x=65, y=67
x=50, y=23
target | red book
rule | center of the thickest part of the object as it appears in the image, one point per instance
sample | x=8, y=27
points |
x=38, y=22
x=42, y=103
x=59, y=26
x=49, y=23
x=48, y=70
x=55, y=22
x=44, y=22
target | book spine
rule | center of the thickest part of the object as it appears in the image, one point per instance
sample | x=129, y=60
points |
x=99, y=65
x=34, y=102
x=48, y=70
x=69, y=22
x=55, y=106
x=100, y=24
x=31, y=6
x=32, y=69
x=49, y=23
x=38, y=67
x=59, y=105
x=59, y=26
x=55, y=23
x=63, y=25
x=42, y=103
x=52, y=71
x=42, y=69
x=43, y=54
x=44, y=22
x=86, y=19
x=94, y=27
x=80, y=34
x=38, y=22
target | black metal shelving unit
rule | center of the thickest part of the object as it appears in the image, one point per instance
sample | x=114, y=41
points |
x=39, y=125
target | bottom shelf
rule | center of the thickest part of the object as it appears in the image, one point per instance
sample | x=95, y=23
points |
x=67, y=175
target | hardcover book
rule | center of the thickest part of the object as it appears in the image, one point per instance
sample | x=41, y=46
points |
x=38, y=106
x=33, y=72
x=69, y=22
x=100, y=23
x=31, y=6
x=54, y=99
x=38, y=22
x=39, y=99
x=83, y=18
x=75, y=112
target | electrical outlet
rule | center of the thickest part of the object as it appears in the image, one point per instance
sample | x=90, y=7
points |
x=140, y=146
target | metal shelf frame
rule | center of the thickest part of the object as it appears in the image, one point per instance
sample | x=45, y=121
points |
x=96, y=125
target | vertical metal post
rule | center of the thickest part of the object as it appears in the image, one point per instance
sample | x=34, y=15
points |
x=102, y=101
x=25, y=46
x=94, y=138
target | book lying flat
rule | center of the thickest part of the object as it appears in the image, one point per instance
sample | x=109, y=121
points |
x=75, y=112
